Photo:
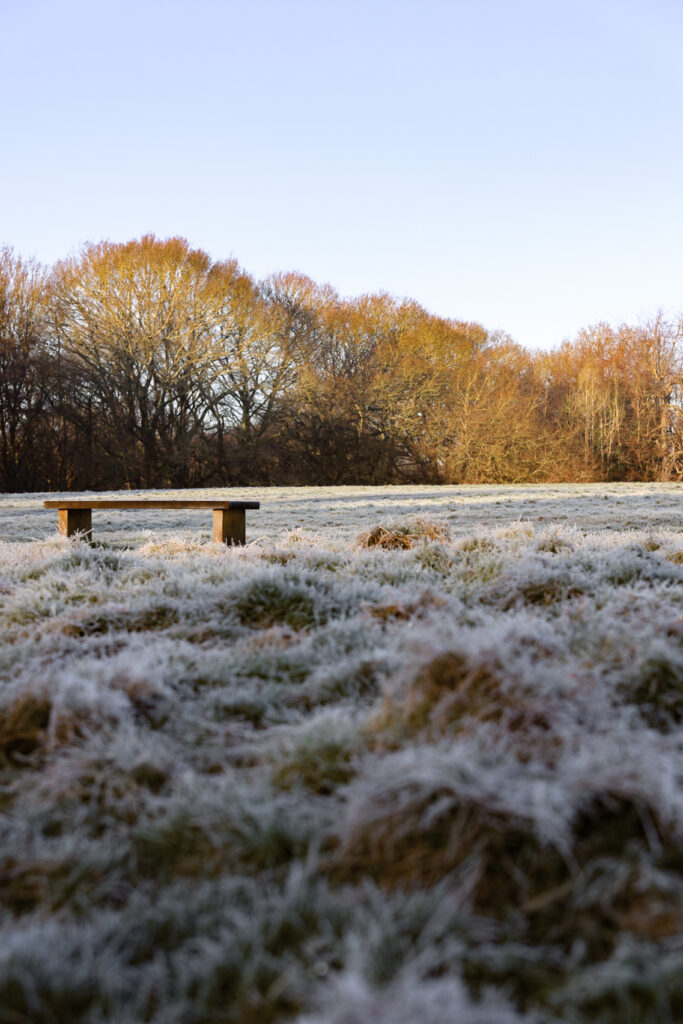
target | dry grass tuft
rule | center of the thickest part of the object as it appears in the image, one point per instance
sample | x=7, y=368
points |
x=444, y=689
x=401, y=536
x=431, y=832
x=405, y=610
x=448, y=689
x=23, y=725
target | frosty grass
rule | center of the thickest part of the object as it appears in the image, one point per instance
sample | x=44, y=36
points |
x=412, y=755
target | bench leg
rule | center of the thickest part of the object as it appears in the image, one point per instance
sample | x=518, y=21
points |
x=75, y=520
x=229, y=526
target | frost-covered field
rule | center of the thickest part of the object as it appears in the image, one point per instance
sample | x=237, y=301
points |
x=326, y=780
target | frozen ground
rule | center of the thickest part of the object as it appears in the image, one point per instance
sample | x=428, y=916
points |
x=325, y=780
x=338, y=513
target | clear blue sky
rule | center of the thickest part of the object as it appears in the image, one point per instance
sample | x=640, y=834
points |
x=515, y=162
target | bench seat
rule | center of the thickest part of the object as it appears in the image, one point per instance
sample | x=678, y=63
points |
x=229, y=519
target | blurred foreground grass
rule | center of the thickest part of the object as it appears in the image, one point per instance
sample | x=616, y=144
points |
x=387, y=766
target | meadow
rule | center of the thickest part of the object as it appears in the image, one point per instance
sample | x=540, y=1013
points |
x=414, y=754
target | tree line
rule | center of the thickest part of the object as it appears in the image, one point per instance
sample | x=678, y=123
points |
x=148, y=364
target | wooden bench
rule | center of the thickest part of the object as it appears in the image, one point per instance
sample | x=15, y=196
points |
x=229, y=520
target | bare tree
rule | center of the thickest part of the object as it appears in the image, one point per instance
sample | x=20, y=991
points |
x=23, y=371
x=136, y=325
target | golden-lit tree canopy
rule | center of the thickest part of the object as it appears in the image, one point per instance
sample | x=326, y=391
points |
x=148, y=363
